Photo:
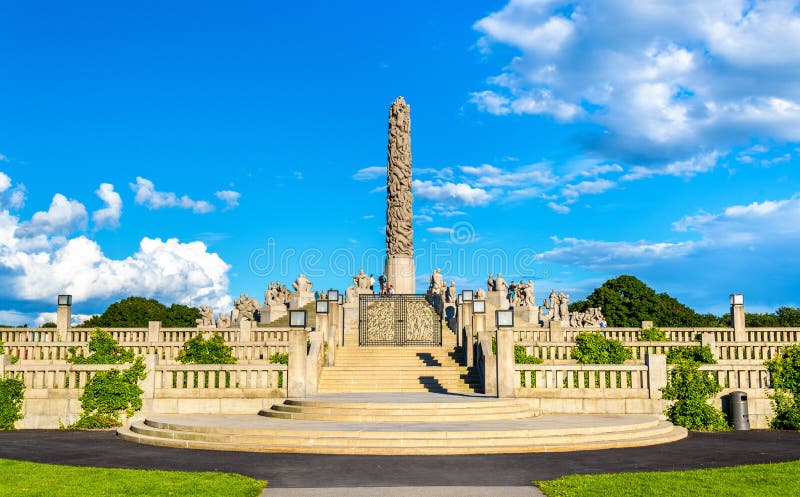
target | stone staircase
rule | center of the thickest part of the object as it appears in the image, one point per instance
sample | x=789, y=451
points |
x=398, y=369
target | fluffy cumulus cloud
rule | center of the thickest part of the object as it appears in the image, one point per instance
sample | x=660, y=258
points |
x=230, y=197
x=108, y=216
x=147, y=195
x=63, y=217
x=11, y=197
x=42, y=258
x=671, y=84
x=459, y=193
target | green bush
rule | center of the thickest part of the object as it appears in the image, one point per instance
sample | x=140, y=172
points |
x=653, y=335
x=682, y=353
x=521, y=357
x=784, y=373
x=198, y=350
x=691, y=388
x=102, y=350
x=594, y=348
x=49, y=324
x=279, y=358
x=108, y=394
x=11, y=395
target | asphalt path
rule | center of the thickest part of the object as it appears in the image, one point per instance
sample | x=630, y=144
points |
x=104, y=449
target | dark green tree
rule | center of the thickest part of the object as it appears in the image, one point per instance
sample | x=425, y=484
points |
x=135, y=312
x=626, y=301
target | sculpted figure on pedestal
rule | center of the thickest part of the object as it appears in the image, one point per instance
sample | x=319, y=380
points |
x=490, y=283
x=206, y=316
x=451, y=294
x=500, y=284
x=223, y=321
x=302, y=284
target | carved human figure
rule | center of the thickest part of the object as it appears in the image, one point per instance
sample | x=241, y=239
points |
x=563, y=302
x=480, y=294
x=223, y=321
x=490, y=283
x=350, y=295
x=361, y=280
x=451, y=295
x=206, y=316
x=436, y=286
x=530, y=295
x=555, y=308
x=302, y=284
x=500, y=285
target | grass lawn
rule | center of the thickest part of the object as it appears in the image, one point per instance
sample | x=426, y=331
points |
x=20, y=478
x=762, y=480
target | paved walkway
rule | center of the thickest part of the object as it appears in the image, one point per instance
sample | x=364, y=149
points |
x=104, y=449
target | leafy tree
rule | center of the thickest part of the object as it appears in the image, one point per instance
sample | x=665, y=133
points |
x=691, y=389
x=135, y=312
x=198, y=350
x=49, y=324
x=784, y=373
x=626, y=301
x=179, y=316
x=594, y=348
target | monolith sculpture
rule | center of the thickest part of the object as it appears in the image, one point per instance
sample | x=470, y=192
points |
x=399, y=215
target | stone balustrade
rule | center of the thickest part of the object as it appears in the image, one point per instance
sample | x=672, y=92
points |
x=140, y=335
x=592, y=379
x=169, y=378
x=739, y=376
x=538, y=334
x=166, y=351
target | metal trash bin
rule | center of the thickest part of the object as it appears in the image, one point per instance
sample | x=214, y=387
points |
x=737, y=403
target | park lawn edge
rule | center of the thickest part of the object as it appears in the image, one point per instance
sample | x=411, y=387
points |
x=25, y=478
x=768, y=480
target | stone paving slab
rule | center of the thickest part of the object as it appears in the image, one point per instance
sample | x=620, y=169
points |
x=530, y=491
x=586, y=423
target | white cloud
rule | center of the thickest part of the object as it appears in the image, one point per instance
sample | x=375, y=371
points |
x=62, y=218
x=10, y=198
x=488, y=175
x=108, y=216
x=561, y=209
x=3, y=158
x=230, y=197
x=169, y=270
x=367, y=216
x=440, y=230
x=664, y=82
x=682, y=168
x=147, y=195
x=461, y=193
x=368, y=173
x=573, y=191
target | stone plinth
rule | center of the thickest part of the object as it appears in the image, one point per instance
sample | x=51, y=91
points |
x=270, y=313
x=63, y=318
x=298, y=300
x=400, y=274
x=497, y=299
x=529, y=314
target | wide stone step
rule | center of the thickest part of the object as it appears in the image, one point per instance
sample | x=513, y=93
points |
x=262, y=434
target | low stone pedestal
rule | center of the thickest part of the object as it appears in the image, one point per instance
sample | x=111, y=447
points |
x=270, y=313
x=528, y=314
x=497, y=299
x=298, y=300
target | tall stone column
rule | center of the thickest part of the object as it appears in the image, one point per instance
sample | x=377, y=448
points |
x=399, y=268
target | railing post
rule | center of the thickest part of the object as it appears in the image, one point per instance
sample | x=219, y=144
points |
x=5, y=360
x=63, y=318
x=244, y=330
x=556, y=333
x=297, y=363
x=149, y=383
x=153, y=331
x=469, y=345
x=710, y=339
x=505, y=363
x=738, y=318
x=656, y=374
x=647, y=324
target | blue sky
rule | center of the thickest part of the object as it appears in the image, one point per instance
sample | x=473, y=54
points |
x=193, y=151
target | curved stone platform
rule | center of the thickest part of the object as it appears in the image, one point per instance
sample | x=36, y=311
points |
x=439, y=435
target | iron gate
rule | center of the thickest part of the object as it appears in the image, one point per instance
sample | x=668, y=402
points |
x=397, y=320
